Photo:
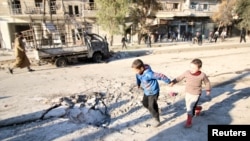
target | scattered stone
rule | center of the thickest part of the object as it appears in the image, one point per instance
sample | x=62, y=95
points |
x=57, y=112
x=67, y=102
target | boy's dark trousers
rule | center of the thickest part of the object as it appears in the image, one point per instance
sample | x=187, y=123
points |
x=150, y=102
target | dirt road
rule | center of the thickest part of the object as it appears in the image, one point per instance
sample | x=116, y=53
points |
x=26, y=96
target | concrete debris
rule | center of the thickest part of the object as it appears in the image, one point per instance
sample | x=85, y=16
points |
x=57, y=112
x=89, y=109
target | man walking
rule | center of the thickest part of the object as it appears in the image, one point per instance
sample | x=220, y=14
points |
x=124, y=42
x=20, y=53
x=243, y=35
x=149, y=40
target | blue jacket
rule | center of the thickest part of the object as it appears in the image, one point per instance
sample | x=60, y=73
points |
x=149, y=81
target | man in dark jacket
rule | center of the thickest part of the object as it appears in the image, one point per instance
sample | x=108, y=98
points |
x=148, y=41
x=243, y=35
x=124, y=42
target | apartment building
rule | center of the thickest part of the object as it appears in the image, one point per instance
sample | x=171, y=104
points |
x=175, y=15
x=18, y=15
x=187, y=16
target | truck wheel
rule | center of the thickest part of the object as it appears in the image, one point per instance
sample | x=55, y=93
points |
x=97, y=57
x=61, y=62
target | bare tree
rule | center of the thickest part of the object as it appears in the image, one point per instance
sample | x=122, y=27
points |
x=224, y=15
x=242, y=12
x=111, y=15
x=141, y=12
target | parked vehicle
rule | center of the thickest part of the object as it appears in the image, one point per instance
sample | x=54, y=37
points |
x=61, y=47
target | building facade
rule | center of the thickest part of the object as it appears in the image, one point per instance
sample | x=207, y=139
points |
x=187, y=16
x=178, y=16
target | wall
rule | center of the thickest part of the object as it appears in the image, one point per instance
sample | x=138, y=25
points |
x=4, y=8
x=6, y=35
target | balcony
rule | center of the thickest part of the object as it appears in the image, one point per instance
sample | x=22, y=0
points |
x=16, y=9
x=89, y=9
x=34, y=8
x=170, y=7
x=170, y=10
x=89, y=6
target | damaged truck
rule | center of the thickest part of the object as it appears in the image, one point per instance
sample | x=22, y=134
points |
x=65, y=42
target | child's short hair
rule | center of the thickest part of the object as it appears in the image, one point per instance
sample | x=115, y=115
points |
x=137, y=64
x=197, y=62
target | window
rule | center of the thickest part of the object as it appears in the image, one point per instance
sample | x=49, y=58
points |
x=74, y=10
x=193, y=5
x=38, y=3
x=53, y=6
x=71, y=10
x=205, y=6
x=176, y=5
x=16, y=7
x=92, y=4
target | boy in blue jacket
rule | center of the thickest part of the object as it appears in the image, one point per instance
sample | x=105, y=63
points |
x=148, y=81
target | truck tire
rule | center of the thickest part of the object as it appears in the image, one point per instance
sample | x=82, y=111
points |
x=61, y=62
x=97, y=57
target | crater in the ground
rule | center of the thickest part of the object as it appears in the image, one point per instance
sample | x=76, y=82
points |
x=90, y=109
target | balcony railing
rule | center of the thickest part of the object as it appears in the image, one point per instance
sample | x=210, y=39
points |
x=89, y=6
x=177, y=7
x=168, y=7
x=88, y=9
x=35, y=8
x=16, y=9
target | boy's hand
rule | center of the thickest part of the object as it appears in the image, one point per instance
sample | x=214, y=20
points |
x=139, y=87
x=208, y=97
x=208, y=93
x=171, y=84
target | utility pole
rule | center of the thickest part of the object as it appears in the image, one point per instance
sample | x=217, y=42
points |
x=50, y=10
x=83, y=14
x=44, y=2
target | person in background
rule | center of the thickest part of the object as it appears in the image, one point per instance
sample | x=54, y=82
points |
x=20, y=53
x=148, y=41
x=216, y=35
x=210, y=37
x=243, y=35
x=223, y=35
x=124, y=40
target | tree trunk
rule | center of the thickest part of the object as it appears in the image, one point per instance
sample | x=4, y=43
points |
x=111, y=38
x=139, y=38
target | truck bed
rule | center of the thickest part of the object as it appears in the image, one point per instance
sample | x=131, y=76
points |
x=60, y=51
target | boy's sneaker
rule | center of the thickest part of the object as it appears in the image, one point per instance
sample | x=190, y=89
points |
x=156, y=123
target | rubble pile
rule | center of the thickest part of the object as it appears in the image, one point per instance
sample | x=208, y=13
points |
x=89, y=109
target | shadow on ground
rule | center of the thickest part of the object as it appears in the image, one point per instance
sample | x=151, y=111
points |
x=213, y=115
